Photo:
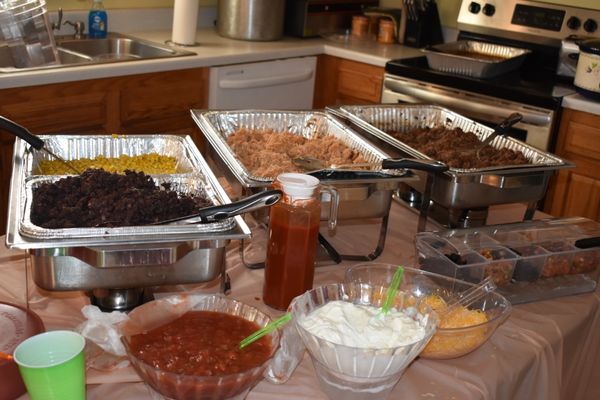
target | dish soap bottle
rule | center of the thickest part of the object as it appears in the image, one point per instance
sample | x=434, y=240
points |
x=97, y=20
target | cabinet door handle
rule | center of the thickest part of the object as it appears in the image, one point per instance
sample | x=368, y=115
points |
x=264, y=82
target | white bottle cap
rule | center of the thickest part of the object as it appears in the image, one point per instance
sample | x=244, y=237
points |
x=298, y=186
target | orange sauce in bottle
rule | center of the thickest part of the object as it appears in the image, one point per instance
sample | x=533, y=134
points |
x=291, y=249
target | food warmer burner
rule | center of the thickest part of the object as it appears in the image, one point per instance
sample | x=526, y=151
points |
x=121, y=266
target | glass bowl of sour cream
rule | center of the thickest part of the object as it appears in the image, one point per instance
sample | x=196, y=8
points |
x=460, y=331
x=357, y=353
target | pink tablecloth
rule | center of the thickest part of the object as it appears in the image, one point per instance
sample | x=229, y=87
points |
x=546, y=350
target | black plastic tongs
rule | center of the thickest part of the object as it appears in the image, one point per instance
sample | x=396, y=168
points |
x=32, y=139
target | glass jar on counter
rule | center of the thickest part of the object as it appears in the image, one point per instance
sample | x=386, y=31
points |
x=293, y=237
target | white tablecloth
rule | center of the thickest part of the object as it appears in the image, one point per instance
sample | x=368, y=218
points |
x=546, y=350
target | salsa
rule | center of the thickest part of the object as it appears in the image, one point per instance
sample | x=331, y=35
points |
x=291, y=252
x=202, y=343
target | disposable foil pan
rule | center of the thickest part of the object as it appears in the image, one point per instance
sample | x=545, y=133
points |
x=219, y=125
x=198, y=179
x=461, y=188
x=72, y=147
x=474, y=59
x=186, y=184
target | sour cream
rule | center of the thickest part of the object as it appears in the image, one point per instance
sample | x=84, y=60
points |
x=359, y=325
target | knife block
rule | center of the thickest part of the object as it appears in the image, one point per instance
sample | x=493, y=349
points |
x=425, y=28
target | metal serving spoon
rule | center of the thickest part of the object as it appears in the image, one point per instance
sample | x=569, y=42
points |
x=32, y=139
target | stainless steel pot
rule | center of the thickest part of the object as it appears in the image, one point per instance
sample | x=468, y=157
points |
x=259, y=20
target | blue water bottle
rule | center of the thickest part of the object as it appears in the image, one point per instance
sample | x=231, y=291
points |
x=97, y=20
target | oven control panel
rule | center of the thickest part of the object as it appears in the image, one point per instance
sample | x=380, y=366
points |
x=530, y=21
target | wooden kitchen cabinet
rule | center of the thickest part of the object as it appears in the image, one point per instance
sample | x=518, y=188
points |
x=576, y=191
x=341, y=81
x=135, y=104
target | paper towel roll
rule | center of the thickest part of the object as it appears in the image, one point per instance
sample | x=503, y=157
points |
x=185, y=18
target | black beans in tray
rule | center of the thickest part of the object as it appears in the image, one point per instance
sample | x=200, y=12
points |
x=97, y=198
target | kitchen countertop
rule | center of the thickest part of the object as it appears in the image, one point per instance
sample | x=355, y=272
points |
x=581, y=103
x=213, y=50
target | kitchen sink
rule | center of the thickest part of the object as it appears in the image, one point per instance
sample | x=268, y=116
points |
x=86, y=51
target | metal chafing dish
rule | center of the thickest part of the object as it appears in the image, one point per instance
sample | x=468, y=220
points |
x=459, y=189
x=105, y=259
x=361, y=196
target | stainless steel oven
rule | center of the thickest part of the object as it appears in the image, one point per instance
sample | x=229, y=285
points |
x=535, y=128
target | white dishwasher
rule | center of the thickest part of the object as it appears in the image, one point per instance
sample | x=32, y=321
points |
x=280, y=84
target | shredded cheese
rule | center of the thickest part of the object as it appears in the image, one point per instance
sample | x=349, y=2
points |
x=455, y=344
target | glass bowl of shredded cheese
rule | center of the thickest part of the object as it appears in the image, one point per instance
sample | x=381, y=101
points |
x=462, y=329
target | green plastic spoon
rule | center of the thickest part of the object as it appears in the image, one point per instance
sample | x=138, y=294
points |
x=270, y=327
x=391, y=292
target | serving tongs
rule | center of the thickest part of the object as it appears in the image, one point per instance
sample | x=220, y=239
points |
x=314, y=165
x=218, y=213
x=33, y=140
x=501, y=129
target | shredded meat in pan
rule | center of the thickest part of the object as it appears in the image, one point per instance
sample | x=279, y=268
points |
x=457, y=148
x=268, y=153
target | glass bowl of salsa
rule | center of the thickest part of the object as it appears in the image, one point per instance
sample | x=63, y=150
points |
x=197, y=355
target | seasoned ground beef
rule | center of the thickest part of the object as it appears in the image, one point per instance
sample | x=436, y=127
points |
x=100, y=198
x=268, y=153
x=458, y=148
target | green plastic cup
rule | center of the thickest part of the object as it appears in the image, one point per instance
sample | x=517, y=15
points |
x=52, y=365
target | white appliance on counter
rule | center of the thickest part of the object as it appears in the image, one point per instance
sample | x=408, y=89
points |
x=279, y=84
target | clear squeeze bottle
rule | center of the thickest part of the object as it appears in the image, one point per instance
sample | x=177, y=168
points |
x=292, y=242
x=97, y=20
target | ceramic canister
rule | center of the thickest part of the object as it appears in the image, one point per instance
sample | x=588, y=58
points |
x=587, y=75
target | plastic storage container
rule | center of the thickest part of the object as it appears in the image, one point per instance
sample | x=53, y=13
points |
x=97, y=20
x=529, y=261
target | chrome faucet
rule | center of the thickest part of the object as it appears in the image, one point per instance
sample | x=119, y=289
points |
x=78, y=25
x=79, y=28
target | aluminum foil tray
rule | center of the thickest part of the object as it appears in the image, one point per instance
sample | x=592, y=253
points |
x=468, y=57
x=219, y=125
x=458, y=188
x=379, y=119
x=198, y=180
x=72, y=147
x=189, y=184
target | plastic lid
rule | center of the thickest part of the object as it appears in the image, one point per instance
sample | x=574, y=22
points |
x=16, y=325
x=298, y=186
x=590, y=46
